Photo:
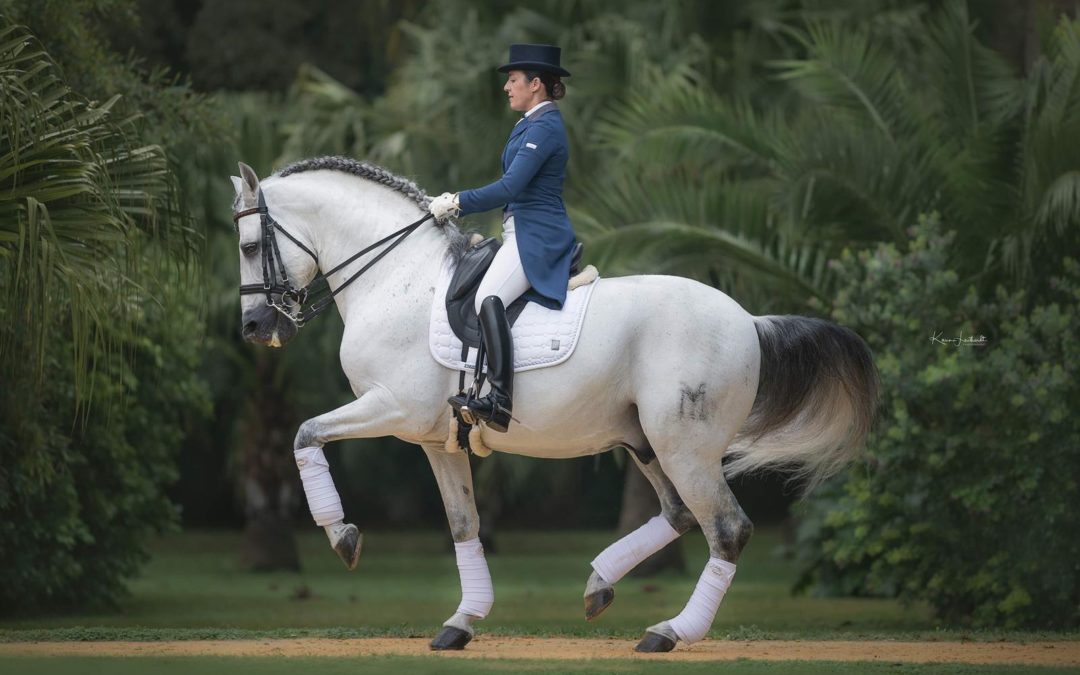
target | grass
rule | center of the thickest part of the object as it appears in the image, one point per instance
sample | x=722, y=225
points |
x=406, y=585
x=404, y=664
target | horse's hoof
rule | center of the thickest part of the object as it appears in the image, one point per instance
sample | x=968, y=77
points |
x=655, y=642
x=450, y=638
x=597, y=601
x=348, y=546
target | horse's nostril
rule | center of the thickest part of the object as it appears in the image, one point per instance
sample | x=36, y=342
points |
x=249, y=329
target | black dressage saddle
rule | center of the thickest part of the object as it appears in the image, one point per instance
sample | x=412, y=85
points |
x=461, y=294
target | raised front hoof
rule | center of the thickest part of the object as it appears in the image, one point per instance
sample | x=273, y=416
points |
x=654, y=642
x=450, y=638
x=348, y=546
x=597, y=601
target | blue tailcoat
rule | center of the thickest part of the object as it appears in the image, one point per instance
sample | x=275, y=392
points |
x=534, y=168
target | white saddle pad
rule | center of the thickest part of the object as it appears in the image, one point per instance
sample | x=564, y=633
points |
x=542, y=337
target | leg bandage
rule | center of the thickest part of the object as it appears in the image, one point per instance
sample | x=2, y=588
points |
x=322, y=496
x=696, y=618
x=624, y=555
x=477, y=595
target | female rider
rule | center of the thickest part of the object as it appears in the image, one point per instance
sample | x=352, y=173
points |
x=538, y=240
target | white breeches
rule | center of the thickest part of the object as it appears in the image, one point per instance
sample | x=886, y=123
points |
x=506, y=276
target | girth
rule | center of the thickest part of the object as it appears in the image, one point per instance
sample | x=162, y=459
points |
x=461, y=295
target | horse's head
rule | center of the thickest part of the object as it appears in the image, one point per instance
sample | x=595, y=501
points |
x=268, y=298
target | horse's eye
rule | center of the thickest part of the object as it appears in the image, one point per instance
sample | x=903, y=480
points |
x=250, y=248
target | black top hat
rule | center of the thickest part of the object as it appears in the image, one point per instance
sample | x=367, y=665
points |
x=544, y=58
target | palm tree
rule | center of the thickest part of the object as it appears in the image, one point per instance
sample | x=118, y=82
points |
x=79, y=225
x=888, y=120
x=94, y=263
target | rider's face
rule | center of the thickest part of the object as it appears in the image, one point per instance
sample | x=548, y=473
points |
x=523, y=93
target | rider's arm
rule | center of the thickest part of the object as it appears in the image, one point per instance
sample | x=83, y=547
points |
x=536, y=147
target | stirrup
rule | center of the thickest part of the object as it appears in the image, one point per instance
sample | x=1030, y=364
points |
x=467, y=415
x=498, y=419
x=460, y=404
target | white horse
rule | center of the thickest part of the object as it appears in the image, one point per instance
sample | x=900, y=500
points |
x=675, y=371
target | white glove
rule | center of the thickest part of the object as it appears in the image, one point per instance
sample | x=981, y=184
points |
x=444, y=205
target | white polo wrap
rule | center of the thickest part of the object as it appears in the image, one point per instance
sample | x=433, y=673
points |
x=694, y=621
x=477, y=595
x=627, y=553
x=322, y=496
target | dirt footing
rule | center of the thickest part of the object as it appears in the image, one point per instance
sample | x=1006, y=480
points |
x=492, y=647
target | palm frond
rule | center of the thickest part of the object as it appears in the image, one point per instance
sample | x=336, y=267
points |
x=77, y=197
x=848, y=73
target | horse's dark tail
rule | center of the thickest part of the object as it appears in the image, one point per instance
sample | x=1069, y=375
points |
x=816, y=400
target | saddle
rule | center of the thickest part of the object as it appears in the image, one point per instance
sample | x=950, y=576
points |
x=461, y=294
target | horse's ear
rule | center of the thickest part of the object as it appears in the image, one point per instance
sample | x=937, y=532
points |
x=250, y=184
x=237, y=184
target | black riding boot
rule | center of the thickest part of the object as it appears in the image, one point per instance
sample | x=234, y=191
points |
x=494, y=409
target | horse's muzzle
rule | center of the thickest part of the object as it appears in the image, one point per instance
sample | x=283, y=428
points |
x=264, y=325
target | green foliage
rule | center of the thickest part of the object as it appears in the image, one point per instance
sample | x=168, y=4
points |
x=77, y=503
x=95, y=318
x=872, y=117
x=76, y=186
x=968, y=498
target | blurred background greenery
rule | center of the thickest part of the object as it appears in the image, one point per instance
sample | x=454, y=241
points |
x=907, y=168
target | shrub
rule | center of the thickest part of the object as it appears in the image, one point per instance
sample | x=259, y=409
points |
x=97, y=338
x=78, y=500
x=968, y=496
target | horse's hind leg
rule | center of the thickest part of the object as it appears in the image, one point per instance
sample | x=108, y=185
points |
x=627, y=553
x=698, y=476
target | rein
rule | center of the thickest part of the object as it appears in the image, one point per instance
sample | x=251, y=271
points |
x=290, y=297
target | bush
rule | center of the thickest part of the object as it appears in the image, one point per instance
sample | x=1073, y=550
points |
x=968, y=496
x=98, y=346
x=77, y=501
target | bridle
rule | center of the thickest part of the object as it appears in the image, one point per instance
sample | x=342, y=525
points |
x=289, y=297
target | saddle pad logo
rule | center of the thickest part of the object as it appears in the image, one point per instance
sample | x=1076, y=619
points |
x=531, y=145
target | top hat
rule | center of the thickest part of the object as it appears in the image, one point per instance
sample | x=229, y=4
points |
x=544, y=58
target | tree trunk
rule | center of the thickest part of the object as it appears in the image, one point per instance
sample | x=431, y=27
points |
x=639, y=503
x=269, y=476
x=1013, y=27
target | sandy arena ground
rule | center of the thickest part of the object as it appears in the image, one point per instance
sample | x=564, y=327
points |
x=1002, y=653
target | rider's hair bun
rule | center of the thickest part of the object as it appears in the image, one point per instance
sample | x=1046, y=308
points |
x=552, y=83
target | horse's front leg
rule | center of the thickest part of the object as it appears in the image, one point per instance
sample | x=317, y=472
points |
x=373, y=414
x=454, y=477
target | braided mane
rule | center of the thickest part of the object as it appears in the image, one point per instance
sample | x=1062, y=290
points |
x=372, y=172
x=458, y=241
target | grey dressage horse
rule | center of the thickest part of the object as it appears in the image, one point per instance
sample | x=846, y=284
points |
x=697, y=389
